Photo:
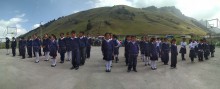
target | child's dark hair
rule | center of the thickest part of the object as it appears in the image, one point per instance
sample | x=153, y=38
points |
x=67, y=33
x=73, y=32
x=107, y=34
x=173, y=40
x=61, y=34
x=54, y=36
x=152, y=39
x=82, y=32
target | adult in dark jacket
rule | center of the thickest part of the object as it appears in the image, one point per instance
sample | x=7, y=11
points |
x=13, y=46
x=107, y=51
x=174, y=53
x=212, y=49
x=23, y=47
x=7, y=45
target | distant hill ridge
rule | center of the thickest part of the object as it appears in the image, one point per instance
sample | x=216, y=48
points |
x=124, y=20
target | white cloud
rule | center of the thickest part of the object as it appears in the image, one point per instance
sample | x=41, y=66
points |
x=12, y=24
x=36, y=26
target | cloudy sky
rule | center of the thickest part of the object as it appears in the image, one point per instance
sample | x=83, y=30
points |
x=28, y=14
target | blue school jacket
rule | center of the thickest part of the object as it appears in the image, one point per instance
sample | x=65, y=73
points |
x=174, y=51
x=75, y=43
x=133, y=48
x=62, y=45
x=107, y=50
x=143, y=47
x=46, y=43
x=14, y=44
x=53, y=48
x=36, y=45
x=153, y=52
x=83, y=41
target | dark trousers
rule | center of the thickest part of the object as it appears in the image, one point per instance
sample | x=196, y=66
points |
x=88, y=50
x=82, y=55
x=126, y=58
x=192, y=55
x=173, y=60
x=212, y=54
x=75, y=58
x=23, y=51
x=40, y=54
x=132, y=62
x=200, y=55
x=206, y=54
x=183, y=56
x=14, y=51
x=29, y=50
x=19, y=49
x=166, y=58
x=62, y=56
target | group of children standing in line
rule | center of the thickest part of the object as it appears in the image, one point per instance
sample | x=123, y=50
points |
x=78, y=49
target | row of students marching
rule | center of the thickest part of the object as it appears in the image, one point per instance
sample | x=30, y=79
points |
x=76, y=48
x=201, y=49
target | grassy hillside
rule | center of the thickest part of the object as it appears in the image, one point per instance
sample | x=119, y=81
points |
x=124, y=20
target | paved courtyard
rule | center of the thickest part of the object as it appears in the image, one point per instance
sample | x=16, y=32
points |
x=17, y=73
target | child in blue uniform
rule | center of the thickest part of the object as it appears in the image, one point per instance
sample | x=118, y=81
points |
x=29, y=47
x=153, y=53
x=200, y=50
x=36, y=44
x=127, y=40
x=53, y=49
x=19, y=46
x=46, y=48
x=116, y=48
x=68, y=46
x=147, y=52
x=83, y=44
x=165, y=49
x=183, y=49
x=13, y=46
x=23, y=47
x=89, y=46
x=192, y=53
x=62, y=47
x=107, y=51
x=133, y=54
x=143, y=47
x=174, y=53
x=75, y=51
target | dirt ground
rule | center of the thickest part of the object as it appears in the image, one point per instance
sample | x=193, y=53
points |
x=17, y=73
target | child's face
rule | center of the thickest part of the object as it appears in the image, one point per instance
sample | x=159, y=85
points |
x=61, y=35
x=107, y=36
x=73, y=35
x=174, y=42
x=128, y=38
x=52, y=38
x=133, y=39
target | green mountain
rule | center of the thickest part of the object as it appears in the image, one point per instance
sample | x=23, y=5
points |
x=124, y=20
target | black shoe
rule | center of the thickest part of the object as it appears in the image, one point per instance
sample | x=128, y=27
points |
x=72, y=68
x=46, y=60
x=109, y=70
x=36, y=61
x=129, y=71
x=165, y=64
x=53, y=65
x=61, y=62
x=76, y=68
x=106, y=70
x=67, y=60
x=145, y=65
x=135, y=70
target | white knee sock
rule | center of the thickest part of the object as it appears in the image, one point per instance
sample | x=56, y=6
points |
x=47, y=55
x=37, y=56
